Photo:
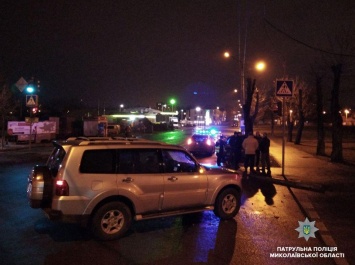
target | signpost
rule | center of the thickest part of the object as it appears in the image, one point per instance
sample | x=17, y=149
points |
x=284, y=88
x=31, y=102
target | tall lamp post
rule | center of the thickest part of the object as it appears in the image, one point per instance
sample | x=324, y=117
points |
x=259, y=66
x=242, y=73
x=247, y=121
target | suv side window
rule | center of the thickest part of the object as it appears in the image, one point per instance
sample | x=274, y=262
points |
x=136, y=161
x=55, y=159
x=98, y=161
x=178, y=161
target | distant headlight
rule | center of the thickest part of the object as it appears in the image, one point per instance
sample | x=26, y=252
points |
x=189, y=141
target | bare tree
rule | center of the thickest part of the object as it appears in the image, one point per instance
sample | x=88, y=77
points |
x=320, y=122
x=339, y=61
x=337, y=121
x=301, y=117
x=7, y=105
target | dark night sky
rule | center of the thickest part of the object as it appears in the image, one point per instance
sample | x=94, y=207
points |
x=143, y=52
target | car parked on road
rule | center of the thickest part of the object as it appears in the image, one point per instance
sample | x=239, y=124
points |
x=107, y=183
x=201, y=144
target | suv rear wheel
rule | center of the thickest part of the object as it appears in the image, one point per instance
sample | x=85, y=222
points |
x=111, y=221
x=227, y=204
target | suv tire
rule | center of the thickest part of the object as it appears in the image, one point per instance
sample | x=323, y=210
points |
x=227, y=203
x=111, y=221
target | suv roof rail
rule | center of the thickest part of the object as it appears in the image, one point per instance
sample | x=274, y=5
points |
x=82, y=141
x=88, y=138
x=122, y=142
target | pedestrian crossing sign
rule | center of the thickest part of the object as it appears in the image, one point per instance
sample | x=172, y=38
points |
x=284, y=88
x=31, y=101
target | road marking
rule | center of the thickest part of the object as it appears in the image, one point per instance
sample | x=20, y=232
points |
x=323, y=234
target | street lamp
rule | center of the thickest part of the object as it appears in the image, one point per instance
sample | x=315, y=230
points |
x=242, y=72
x=172, y=102
x=291, y=115
x=346, y=115
x=260, y=66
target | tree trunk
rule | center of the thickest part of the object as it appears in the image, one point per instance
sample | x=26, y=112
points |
x=301, y=119
x=320, y=122
x=337, y=125
x=248, y=118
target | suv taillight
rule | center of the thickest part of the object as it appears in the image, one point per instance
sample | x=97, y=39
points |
x=61, y=188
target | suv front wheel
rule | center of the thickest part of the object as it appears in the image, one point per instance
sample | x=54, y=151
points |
x=111, y=221
x=227, y=204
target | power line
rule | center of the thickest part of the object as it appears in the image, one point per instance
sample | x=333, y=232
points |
x=305, y=44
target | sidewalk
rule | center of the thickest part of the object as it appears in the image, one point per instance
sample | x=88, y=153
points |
x=332, y=210
x=304, y=167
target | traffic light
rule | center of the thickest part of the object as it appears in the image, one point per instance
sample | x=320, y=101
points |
x=33, y=86
x=30, y=89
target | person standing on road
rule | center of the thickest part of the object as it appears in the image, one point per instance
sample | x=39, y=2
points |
x=221, y=143
x=232, y=145
x=250, y=144
x=257, y=152
x=236, y=149
x=264, y=147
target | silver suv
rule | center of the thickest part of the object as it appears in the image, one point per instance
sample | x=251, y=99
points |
x=105, y=184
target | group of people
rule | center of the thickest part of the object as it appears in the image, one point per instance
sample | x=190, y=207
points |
x=256, y=151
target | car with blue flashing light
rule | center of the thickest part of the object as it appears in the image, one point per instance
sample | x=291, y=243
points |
x=201, y=145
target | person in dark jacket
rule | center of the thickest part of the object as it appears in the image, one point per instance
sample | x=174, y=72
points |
x=264, y=147
x=236, y=149
x=221, y=143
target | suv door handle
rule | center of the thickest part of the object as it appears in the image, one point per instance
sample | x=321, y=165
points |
x=173, y=179
x=127, y=180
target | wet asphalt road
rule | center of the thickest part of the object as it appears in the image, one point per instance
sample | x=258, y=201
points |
x=262, y=226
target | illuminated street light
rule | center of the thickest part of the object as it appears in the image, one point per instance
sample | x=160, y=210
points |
x=260, y=66
x=227, y=54
x=291, y=115
x=346, y=115
x=172, y=102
